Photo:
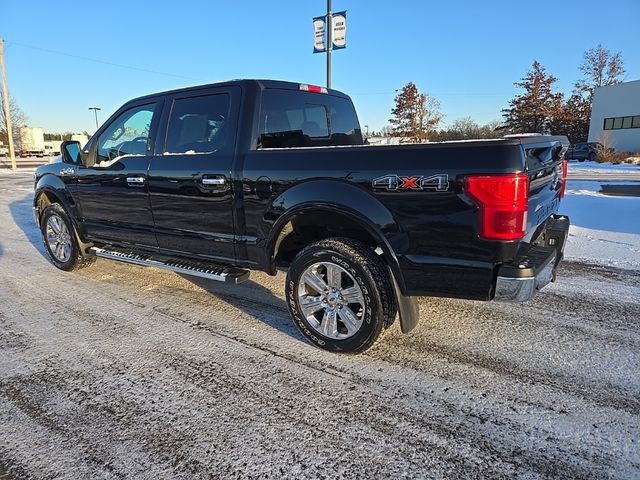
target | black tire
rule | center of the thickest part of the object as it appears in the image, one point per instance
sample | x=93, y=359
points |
x=74, y=260
x=363, y=267
x=592, y=157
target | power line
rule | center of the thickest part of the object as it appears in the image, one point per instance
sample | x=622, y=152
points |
x=436, y=94
x=104, y=62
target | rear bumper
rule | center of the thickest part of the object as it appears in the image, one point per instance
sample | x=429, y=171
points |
x=518, y=281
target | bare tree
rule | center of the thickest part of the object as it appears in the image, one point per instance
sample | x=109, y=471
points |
x=467, y=129
x=428, y=116
x=18, y=118
x=600, y=67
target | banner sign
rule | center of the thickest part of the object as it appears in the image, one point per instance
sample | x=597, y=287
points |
x=319, y=40
x=339, y=34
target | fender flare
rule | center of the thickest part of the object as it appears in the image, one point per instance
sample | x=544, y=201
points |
x=354, y=202
x=52, y=186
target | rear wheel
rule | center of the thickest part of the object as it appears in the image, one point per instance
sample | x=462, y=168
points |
x=59, y=239
x=339, y=294
x=592, y=157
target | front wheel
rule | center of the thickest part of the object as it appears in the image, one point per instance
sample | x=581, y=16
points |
x=59, y=239
x=339, y=294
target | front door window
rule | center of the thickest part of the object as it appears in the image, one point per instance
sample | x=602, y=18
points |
x=127, y=135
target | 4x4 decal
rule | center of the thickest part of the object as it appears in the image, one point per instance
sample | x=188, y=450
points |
x=438, y=183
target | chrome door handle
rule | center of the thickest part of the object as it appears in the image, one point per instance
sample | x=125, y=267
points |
x=137, y=181
x=217, y=181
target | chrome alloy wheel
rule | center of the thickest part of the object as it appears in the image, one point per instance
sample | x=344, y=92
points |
x=331, y=300
x=58, y=238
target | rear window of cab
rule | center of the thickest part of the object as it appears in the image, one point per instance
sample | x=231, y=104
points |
x=290, y=118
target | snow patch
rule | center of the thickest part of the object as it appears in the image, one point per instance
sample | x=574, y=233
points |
x=604, y=229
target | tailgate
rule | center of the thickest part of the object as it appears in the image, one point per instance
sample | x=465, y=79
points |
x=544, y=157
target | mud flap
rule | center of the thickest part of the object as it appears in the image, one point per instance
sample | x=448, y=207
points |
x=408, y=310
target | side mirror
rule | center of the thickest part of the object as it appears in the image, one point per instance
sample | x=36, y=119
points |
x=70, y=151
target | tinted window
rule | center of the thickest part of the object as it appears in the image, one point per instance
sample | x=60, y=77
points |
x=636, y=122
x=290, y=118
x=617, y=122
x=126, y=135
x=199, y=125
x=608, y=123
x=626, y=122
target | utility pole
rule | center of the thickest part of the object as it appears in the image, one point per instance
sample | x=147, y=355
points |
x=329, y=27
x=95, y=110
x=7, y=107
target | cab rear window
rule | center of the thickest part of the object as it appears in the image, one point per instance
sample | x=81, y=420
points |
x=290, y=118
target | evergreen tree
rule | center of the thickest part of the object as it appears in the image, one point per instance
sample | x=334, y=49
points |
x=573, y=119
x=415, y=115
x=533, y=111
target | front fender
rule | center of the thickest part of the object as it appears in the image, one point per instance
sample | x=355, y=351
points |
x=344, y=198
x=55, y=188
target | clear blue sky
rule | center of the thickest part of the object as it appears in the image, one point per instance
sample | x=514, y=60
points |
x=465, y=53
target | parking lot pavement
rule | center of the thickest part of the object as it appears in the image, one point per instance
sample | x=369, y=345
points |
x=123, y=372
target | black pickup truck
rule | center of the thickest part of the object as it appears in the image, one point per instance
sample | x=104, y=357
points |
x=221, y=179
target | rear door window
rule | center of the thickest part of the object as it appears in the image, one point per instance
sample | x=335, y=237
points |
x=290, y=118
x=199, y=125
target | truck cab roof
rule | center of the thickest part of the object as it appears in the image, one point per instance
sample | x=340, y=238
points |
x=256, y=84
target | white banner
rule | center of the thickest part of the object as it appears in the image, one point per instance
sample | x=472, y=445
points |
x=319, y=35
x=339, y=37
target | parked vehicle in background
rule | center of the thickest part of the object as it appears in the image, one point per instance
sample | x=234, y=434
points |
x=4, y=151
x=584, y=151
x=30, y=142
x=52, y=147
x=218, y=180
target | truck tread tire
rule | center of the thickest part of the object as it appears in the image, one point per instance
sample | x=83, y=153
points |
x=364, y=267
x=76, y=260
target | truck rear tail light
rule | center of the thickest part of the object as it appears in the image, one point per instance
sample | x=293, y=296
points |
x=503, y=201
x=313, y=88
x=563, y=185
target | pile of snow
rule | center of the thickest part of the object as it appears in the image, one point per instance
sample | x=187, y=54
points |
x=604, y=229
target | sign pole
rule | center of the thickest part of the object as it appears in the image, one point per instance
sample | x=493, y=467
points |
x=7, y=107
x=329, y=30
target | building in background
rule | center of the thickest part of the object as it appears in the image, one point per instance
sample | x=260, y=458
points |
x=615, y=116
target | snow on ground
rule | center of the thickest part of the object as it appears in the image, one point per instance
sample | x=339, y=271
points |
x=604, y=229
x=117, y=371
x=588, y=167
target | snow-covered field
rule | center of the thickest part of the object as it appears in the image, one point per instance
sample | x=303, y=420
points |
x=604, y=229
x=118, y=371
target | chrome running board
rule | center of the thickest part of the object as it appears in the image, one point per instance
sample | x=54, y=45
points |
x=197, y=269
